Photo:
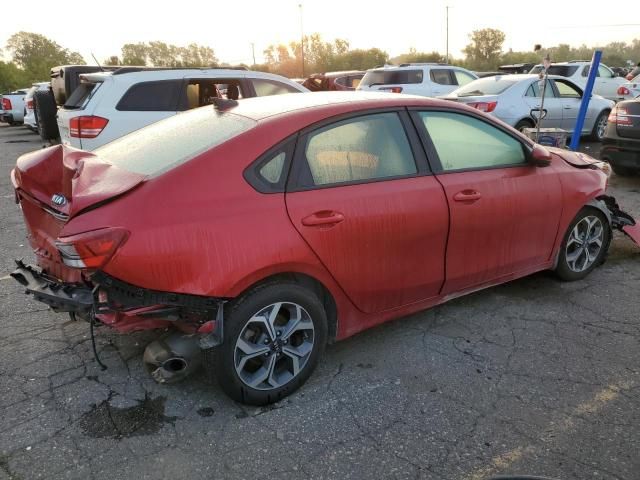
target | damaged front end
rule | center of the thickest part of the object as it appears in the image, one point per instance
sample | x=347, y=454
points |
x=196, y=321
x=618, y=219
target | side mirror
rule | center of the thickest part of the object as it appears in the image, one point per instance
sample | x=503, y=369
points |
x=539, y=156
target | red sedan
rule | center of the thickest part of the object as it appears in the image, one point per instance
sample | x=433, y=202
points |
x=263, y=229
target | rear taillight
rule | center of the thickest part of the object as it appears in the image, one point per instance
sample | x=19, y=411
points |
x=392, y=89
x=87, y=126
x=6, y=104
x=91, y=249
x=623, y=91
x=30, y=104
x=484, y=106
x=618, y=116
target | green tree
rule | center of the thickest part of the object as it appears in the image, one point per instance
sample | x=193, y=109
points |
x=484, y=51
x=413, y=56
x=135, y=54
x=12, y=77
x=36, y=54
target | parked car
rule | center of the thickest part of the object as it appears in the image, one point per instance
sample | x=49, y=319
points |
x=606, y=84
x=630, y=89
x=634, y=72
x=513, y=99
x=12, y=104
x=346, y=80
x=425, y=79
x=265, y=228
x=108, y=105
x=621, y=142
x=30, y=119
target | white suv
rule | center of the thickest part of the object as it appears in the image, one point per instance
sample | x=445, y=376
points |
x=108, y=105
x=606, y=84
x=426, y=79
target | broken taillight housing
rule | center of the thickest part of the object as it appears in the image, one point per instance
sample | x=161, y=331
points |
x=91, y=249
x=87, y=126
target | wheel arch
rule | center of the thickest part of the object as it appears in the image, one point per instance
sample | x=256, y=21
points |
x=311, y=283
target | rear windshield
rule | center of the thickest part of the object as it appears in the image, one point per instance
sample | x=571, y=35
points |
x=486, y=86
x=562, y=70
x=79, y=96
x=171, y=142
x=387, y=77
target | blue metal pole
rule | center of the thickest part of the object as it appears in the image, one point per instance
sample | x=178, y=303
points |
x=586, y=97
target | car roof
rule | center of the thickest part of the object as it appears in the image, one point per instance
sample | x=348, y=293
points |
x=163, y=74
x=259, y=108
x=338, y=74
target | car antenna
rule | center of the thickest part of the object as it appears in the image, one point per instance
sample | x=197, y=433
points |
x=97, y=62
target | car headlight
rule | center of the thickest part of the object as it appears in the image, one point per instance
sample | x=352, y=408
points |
x=604, y=166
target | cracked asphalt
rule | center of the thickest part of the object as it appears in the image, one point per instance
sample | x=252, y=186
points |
x=535, y=376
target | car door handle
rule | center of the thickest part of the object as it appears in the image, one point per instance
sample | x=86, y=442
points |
x=324, y=217
x=467, y=196
x=568, y=107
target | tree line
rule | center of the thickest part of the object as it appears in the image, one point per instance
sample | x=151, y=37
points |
x=32, y=55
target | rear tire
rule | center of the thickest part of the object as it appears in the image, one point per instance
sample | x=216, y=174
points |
x=585, y=245
x=522, y=124
x=46, y=112
x=252, y=350
x=597, y=134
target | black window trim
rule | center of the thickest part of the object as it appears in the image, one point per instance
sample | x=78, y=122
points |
x=176, y=81
x=432, y=154
x=299, y=159
x=252, y=173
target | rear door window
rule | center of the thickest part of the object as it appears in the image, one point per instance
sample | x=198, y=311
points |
x=442, y=76
x=159, y=96
x=271, y=87
x=390, y=77
x=366, y=148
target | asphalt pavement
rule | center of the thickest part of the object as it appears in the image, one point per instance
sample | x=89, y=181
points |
x=532, y=377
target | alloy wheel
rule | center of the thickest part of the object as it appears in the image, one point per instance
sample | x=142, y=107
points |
x=274, y=346
x=602, y=126
x=584, y=243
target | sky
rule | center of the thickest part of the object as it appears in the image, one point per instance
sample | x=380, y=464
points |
x=394, y=26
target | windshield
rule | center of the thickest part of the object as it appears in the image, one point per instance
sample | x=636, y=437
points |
x=386, y=77
x=561, y=70
x=171, y=142
x=486, y=86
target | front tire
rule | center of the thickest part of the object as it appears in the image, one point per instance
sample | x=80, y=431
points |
x=274, y=337
x=522, y=124
x=584, y=246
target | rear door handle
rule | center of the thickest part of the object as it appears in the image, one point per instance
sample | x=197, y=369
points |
x=568, y=107
x=467, y=196
x=324, y=217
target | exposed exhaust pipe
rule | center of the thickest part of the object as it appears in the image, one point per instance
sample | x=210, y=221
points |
x=172, y=357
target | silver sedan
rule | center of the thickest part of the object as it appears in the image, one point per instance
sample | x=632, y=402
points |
x=516, y=100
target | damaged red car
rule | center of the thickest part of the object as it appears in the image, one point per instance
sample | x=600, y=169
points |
x=258, y=231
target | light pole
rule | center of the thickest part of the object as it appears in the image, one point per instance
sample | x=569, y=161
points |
x=301, y=40
x=447, y=48
x=253, y=52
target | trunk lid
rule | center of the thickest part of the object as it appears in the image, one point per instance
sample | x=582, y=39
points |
x=68, y=180
x=57, y=183
x=628, y=119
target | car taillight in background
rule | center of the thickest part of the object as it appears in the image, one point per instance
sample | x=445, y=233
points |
x=87, y=126
x=6, y=104
x=618, y=116
x=30, y=104
x=91, y=249
x=623, y=91
x=392, y=89
x=484, y=106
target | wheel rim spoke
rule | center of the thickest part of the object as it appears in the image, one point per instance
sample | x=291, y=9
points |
x=584, y=243
x=274, y=346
